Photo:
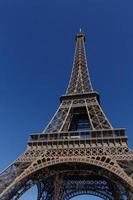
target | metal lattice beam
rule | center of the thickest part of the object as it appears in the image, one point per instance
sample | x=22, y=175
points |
x=79, y=152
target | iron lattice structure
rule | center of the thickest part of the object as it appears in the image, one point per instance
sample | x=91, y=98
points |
x=79, y=152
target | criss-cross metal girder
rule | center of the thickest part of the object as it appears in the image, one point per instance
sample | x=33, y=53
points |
x=79, y=81
x=79, y=94
x=79, y=152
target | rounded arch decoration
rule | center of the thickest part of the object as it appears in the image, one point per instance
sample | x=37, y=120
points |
x=43, y=163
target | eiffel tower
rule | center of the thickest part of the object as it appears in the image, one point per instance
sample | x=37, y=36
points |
x=79, y=152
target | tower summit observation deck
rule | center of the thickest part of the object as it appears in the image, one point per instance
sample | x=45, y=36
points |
x=79, y=152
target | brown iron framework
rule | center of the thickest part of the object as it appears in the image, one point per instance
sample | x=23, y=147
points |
x=79, y=152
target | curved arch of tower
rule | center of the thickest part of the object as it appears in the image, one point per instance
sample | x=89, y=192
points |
x=79, y=152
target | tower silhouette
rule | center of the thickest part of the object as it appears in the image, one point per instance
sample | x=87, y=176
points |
x=79, y=152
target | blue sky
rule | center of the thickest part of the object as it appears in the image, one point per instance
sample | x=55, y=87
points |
x=36, y=53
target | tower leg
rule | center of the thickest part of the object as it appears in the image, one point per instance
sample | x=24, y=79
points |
x=130, y=195
x=45, y=191
x=58, y=188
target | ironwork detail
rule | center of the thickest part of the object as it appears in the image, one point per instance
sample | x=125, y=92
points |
x=79, y=152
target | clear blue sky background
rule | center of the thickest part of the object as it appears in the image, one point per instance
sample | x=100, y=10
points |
x=36, y=54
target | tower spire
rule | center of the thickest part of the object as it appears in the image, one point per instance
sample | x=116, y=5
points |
x=80, y=81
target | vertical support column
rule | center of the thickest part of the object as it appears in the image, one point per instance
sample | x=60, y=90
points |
x=58, y=187
x=130, y=195
x=45, y=191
